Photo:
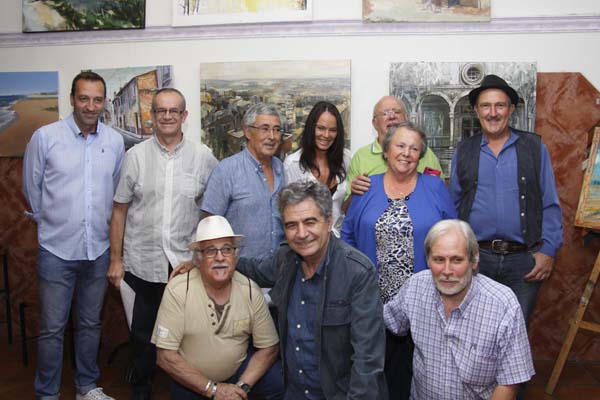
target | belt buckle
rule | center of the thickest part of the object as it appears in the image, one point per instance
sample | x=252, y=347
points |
x=500, y=248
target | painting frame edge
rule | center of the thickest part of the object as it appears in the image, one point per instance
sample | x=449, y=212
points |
x=241, y=18
x=580, y=219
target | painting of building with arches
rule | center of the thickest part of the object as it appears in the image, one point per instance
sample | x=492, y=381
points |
x=436, y=98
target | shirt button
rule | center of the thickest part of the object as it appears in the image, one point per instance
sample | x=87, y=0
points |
x=303, y=279
x=297, y=348
x=306, y=391
x=213, y=324
x=522, y=197
x=522, y=214
x=522, y=178
x=212, y=315
x=298, y=326
x=302, y=302
x=300, y=371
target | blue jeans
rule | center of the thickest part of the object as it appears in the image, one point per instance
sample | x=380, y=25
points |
x=59, y=281
x=510, y=269
x=269, y=387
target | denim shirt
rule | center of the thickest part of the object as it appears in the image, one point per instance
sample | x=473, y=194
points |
x=349, y=328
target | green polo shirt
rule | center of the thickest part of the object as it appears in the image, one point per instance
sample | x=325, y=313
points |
x=369, y=160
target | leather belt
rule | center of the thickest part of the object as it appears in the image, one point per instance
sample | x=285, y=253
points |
x=505, y=246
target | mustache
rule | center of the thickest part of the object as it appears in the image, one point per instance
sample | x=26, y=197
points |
x=495, y=119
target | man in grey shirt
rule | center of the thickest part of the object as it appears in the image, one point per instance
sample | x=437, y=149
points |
x=155, y=213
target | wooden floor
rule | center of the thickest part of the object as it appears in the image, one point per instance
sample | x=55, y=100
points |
x=579, y=381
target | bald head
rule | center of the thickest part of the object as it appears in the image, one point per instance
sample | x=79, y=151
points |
x=388, y=111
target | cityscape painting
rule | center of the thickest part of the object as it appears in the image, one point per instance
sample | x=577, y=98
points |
x=229, y=89
x=128, y=103
x=82, y=15
x=216, y=12
x=436, y=98
x=426, y=10
x=28, y=100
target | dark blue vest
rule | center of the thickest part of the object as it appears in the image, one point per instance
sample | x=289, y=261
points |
x=529, y=150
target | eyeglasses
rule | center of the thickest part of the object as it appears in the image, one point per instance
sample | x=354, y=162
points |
x=211, y=252
x=266, y=129
x=390, y=113
x=162, y=112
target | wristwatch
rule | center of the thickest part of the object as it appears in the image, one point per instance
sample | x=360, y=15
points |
x=244, y=386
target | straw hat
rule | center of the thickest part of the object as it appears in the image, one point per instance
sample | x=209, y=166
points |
x=213, y=227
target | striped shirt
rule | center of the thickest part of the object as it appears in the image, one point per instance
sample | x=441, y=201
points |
x=69, y=181
x=164, y=191
x=482, y=344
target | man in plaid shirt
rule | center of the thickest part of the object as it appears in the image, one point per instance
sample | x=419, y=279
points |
x=469, y=332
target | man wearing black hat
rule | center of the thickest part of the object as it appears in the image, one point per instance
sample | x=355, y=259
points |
x=503, y=185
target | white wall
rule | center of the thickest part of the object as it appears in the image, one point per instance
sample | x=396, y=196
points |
x=370, y=54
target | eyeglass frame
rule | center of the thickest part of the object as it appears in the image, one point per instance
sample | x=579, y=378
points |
x=389, y=112
x=226, y=248
x=163, y=112
x=265, y=129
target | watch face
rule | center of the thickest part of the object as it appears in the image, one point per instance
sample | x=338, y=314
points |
x=246, y=388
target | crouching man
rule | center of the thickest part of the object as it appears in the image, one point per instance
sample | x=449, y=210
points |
x=206, y=321
x=469, y=331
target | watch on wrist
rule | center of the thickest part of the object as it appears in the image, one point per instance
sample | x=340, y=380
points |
x=244, y=386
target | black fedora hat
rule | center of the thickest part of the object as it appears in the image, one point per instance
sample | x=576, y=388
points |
x=493, y=82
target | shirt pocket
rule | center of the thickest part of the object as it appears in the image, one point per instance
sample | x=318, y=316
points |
x=190, y=186
x=337, y=313
x=476, y=365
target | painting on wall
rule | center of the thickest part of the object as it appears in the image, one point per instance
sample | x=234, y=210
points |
x=229, y=89
x=128, y=103
x=588, y=210
x=217, y=12
x=436, y=98
x=28, y=100
x=82, y=15
x=426, y=10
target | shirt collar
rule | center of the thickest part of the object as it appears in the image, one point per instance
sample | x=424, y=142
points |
x=376, y=147
x=70, y=121
x=276, y=166
x=324, y=262
x=511, y=139
x=472, y=293
x=164, y=150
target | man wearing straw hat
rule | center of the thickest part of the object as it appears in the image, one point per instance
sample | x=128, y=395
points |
x=206, y=320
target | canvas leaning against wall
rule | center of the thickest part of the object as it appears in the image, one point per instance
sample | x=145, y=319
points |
x=128, y=103
x=426, y=10
x=28, y=100
x=229, y=89
x=83, y=15
x=436, y=98
x=216, y=12
x=588, y=209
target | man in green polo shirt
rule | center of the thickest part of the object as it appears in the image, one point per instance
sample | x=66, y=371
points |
x=368, y=160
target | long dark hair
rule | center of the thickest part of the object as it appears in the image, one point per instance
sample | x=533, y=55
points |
x=335, y=153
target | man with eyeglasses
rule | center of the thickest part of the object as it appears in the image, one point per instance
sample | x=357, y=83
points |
x=244, y=187
x=368, y=160
x=155, y=213
x=207, y=319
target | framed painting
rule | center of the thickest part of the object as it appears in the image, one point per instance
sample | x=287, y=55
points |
x=426, y=10
x=219, y=12
x=436, y=98
x=128, y=104
x=28, y=100
x=229, y=89
x=83, y=15
x=588, y=209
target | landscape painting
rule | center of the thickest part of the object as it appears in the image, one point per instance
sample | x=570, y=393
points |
x=128, y=104
x=426, y=10
x=28, y=100
x=588, y=210
x=229, y=89
x=217, y=12
x=436, y=98
x=82, y=15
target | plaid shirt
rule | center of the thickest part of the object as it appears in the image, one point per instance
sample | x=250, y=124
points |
x=482, y=344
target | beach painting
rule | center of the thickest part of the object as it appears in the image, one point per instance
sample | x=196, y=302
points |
x=83, y=15
x=218, y=12
x=128, y=103
x=588, y=210
x=28, y=100
x=229, y=89
x=426, y=10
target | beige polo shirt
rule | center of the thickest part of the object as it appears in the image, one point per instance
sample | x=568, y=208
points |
x=187, y=322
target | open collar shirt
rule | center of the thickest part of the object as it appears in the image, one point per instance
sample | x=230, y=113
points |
x=164, y=190
x=239, y=191
x=482, y=344
x=69, y=181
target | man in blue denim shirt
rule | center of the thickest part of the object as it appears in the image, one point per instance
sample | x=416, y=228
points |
x=70, y=172
x=328, y=306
